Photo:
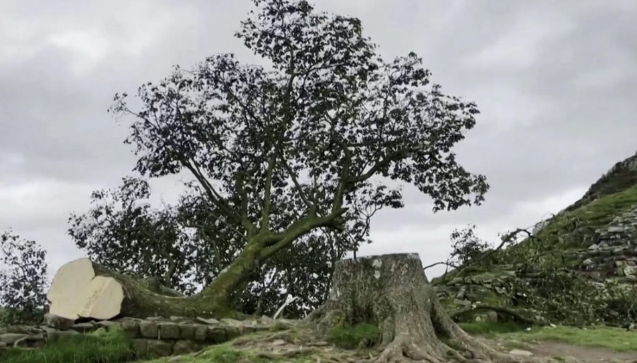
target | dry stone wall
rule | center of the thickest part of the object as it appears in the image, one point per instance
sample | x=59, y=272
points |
x=614, y=254
x=154, y=336
x=612, y=258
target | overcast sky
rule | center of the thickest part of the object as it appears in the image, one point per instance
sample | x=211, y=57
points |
x=556, y=82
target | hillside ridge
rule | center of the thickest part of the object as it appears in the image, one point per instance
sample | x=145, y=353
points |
x=592, y=242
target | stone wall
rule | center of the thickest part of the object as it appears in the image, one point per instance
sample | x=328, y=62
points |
x=612, y=258
x=614, y=254
x=155, y=336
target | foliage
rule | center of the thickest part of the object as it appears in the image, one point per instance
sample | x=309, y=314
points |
x=23, y=280
x=303, y=271
x=122, y=232
x=304, y=147
x=561, y=294
x=352, y=337
x=111, y=346
x=466, y=246
x=184, y=245
x=558, y=295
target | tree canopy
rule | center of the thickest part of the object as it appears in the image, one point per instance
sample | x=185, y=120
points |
x=307, y=145
x=23, y=279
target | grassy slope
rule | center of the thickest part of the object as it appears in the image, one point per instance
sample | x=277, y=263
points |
x=605, y=337
x=593, y=215
x=574, y=227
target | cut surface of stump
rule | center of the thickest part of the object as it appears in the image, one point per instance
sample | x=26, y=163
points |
x=77, y=292
x=392, y=292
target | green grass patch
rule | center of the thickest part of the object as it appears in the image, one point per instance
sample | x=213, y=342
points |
x=351, y=337
x=113, y=346
x=606, y=337
x=596, y=214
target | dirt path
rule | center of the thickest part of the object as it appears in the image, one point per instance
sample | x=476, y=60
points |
x=582, y=354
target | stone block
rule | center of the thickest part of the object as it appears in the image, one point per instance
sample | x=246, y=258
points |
x=140, y=346
x=159, y=348
x=209, y=321
x=131, y=327
x=182, y=347
x=53, y=336
x=169, y=331
x=58, y=322
x=149, y=329
x=84, y=327
x=187, y=331
x=11, y=338
x=201, y=333
x=218, y=334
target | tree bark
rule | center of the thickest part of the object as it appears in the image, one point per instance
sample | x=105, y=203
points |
x=392, y=292
x=142, y=298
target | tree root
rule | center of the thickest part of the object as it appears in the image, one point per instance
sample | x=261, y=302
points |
x=287, y=354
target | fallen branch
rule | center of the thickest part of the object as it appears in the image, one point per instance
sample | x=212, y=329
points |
x=498, y=309
x=286, y=303
x=440, y=263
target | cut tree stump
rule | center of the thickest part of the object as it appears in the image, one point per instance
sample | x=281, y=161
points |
x=392, y=292
x=78, y=292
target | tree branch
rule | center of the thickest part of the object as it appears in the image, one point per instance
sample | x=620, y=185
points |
x=267, y=202
x=440, y=263
x=499, y=309
x=295, y=181
x=250, y=228
x=283, y=239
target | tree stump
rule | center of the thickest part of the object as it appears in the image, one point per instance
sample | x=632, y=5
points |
x=392, y=292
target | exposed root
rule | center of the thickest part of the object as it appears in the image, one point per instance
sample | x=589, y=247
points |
x=287, y=354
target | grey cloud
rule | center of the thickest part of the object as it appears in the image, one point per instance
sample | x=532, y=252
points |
x=555, y=82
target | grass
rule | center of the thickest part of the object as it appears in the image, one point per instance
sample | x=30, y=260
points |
x=351, y=337
x=226, y=353
x=604, y=337
x=593, y=215
x=101, y=346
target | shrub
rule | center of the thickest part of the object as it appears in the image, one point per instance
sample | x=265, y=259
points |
x=23, y=280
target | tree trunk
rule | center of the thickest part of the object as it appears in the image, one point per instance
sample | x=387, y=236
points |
x=84, y=289
x=143, y=298
x=392, y=292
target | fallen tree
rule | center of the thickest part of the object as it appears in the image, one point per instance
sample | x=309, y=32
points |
x=84, y=289
x=304, y=147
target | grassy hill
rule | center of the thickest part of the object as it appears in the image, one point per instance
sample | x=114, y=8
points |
x=589, y=249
